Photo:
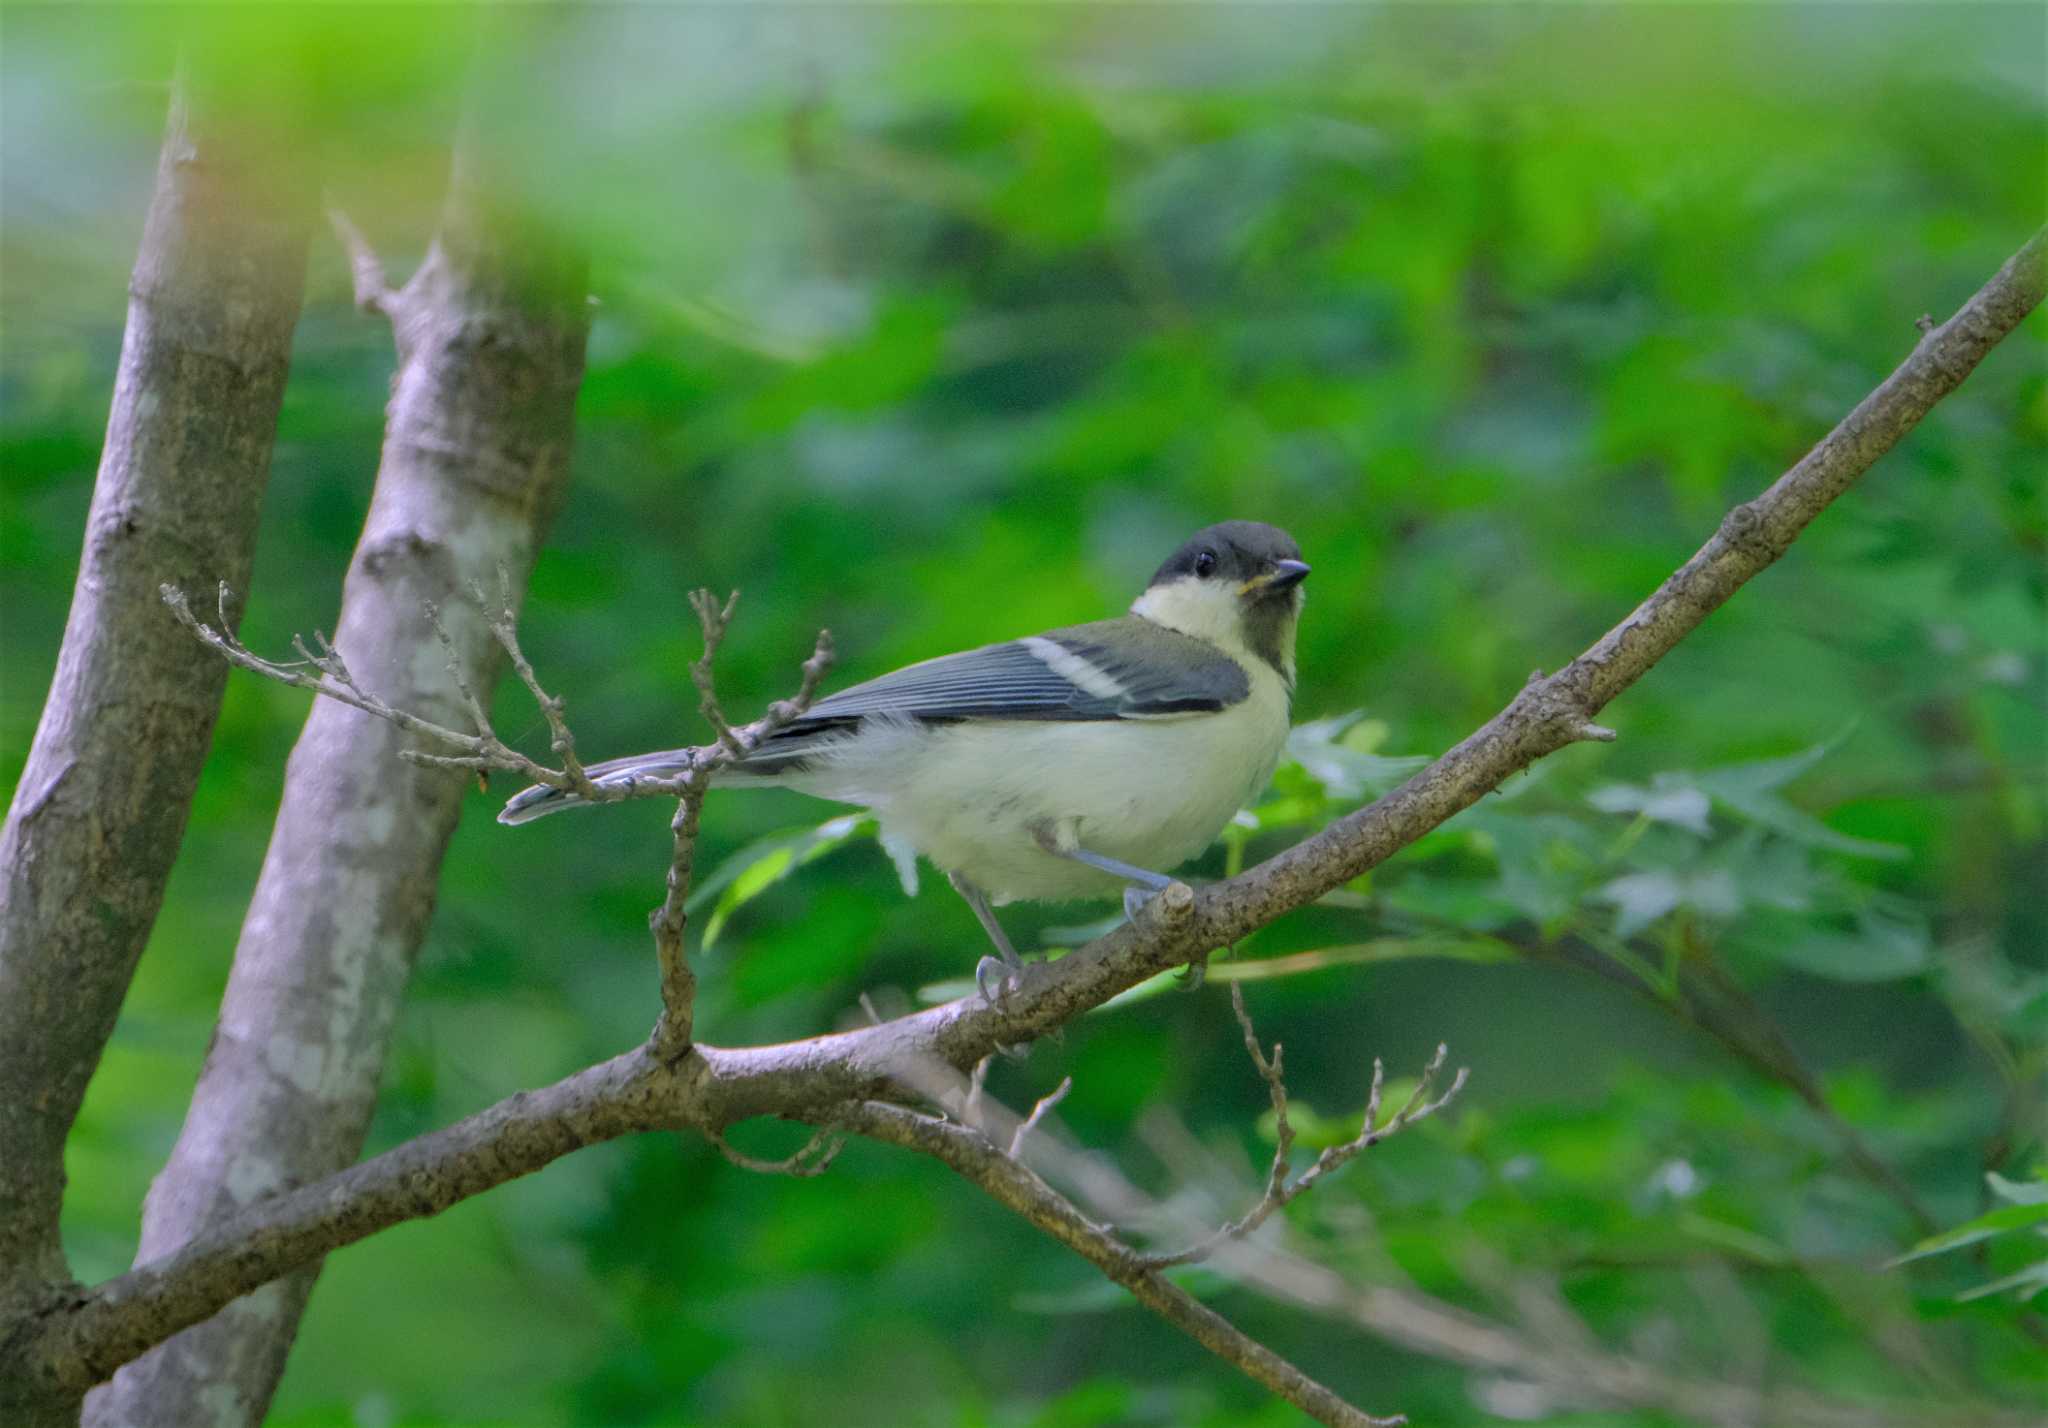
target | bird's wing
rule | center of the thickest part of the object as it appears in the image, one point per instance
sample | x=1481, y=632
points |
x=1086, y=672
x=1112, y=669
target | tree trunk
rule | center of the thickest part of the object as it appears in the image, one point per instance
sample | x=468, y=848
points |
x=490, y=333
x=101, y=807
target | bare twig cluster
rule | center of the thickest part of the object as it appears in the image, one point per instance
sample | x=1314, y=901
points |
x=322, y=669
x=1280, y=1189
x=971, y=1139
x=1008, y=1180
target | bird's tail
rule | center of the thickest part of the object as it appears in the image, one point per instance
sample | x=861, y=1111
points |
x=540, y=800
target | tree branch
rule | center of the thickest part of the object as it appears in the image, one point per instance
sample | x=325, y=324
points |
x=93, y=1331
x=100, y=810
x=1013, y=1185
x=490, y=337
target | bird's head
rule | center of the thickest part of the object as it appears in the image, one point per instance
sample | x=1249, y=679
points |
x=1236, y=584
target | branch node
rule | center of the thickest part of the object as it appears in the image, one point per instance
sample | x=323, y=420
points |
x=1171, y=905
x=373, y=291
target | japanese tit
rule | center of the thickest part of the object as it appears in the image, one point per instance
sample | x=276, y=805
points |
x=1077, y=763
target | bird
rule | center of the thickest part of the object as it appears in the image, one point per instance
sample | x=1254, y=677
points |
x=1079, y=763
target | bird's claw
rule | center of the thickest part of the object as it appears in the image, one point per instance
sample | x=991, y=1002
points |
x=995, y=979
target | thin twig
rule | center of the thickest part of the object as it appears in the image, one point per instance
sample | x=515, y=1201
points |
x=477, y=713
x=504, y=623
x=714, y=620
x=1038, y=1113
x=334, y=681
x=813, y=1158
x=675, y=1028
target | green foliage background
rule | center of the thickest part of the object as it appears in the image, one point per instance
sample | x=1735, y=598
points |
x=938, y=326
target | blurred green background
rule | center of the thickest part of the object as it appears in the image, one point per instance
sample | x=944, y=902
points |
x=939, y=326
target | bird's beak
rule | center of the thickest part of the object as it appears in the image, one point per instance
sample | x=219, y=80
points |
x=1284, y=576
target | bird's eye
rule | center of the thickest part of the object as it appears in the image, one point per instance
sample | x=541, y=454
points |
x=1205, y=563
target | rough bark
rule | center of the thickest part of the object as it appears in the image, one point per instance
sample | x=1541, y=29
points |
x=491, y=339
x=100, y=810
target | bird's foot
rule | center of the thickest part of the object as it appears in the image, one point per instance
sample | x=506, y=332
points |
x=1195, y=973
x=996, y=980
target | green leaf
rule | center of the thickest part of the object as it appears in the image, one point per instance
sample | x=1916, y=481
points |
x=1640, y=899
x=1316, y=1131
x=1357, y=954
x=1882, y=949
x=759, y=866
x=757, y=877
x=2029, y=1281
x=2032, y=1192
x=1986, y=1226
x=1669, y=798
x=1733, y=1238
x=1295, y=964
x=1343, y=765
x=1750, y=790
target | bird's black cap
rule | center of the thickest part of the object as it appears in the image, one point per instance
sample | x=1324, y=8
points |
x=1237, y=551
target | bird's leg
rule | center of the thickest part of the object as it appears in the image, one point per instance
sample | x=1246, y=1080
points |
x=1007, y=973
x=1145, y=878
x=1061, y=840
x=1011, y=967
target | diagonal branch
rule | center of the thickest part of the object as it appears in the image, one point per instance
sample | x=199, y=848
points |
x=1012, y=1184
x=86, y=1335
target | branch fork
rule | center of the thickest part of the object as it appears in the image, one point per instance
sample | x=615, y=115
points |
x=986, y=1144
x=1280, y=1188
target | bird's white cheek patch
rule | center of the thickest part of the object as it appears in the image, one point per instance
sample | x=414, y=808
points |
x=1201, y=608
x=1074, y=669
